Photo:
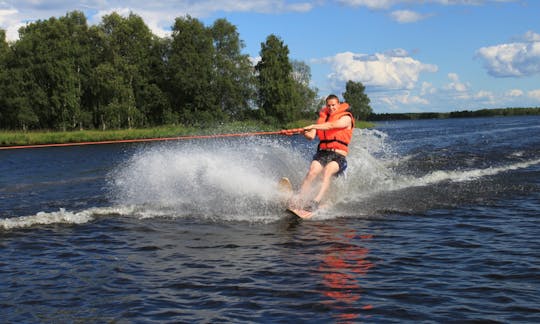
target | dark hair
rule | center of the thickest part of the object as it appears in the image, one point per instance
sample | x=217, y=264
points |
x=332, y=96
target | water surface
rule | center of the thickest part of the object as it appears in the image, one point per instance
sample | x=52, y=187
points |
x=436, y=221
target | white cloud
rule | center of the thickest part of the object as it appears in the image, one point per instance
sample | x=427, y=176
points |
x=395, y=101
x=390, y=70
x=9, y=21
x=386, y=4
x=12, y=31
x=254, y=60
x=534, y=94
x=455, y=84
x=427, y=88
x=514, y=93
x=5, y=15
x=206, y=7
x=158, y=15
x=371, y=4
x=485, y=96
x=407, y=16
x=531, y=36
x=516, y=59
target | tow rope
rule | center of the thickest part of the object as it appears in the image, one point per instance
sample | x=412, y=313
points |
x=177, y=138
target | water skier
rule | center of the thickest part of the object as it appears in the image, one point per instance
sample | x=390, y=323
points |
x=334, y=128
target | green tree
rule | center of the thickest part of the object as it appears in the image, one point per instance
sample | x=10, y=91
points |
x=4, y=50
x=15, y=108
x=4, y=47
x=359, y=102
x=278, y=98
x=63, y=74
x=115, y=104
x=128, y=53
x=154, y=101
x=234, y=78
x=48, y=57
x=302, y=76
x=80, y=54
x=191, y=73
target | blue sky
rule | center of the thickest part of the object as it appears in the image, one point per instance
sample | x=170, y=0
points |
x=412, y=55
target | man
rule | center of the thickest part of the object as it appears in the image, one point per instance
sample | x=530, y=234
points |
x=334, y=129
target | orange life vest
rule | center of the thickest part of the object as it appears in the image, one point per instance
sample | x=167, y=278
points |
x=338, y=138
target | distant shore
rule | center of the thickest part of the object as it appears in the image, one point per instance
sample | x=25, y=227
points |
x=494, y=112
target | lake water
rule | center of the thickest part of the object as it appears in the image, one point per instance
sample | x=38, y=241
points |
x=435, y=221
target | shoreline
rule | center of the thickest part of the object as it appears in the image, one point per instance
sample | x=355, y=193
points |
x=34, y=139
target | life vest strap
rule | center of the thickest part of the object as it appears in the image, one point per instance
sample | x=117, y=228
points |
x=330, y=141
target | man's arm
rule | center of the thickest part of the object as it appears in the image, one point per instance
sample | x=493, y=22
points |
x=343, y=122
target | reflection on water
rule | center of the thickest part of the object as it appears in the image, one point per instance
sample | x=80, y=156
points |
x=344, y=265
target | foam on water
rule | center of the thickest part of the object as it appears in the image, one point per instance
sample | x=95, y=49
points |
x=467, y=175
x=236, y=180
x=63, y=216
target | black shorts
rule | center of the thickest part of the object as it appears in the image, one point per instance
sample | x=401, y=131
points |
x=324, y=157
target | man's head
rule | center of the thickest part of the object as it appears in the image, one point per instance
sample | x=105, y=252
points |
x=332, y=102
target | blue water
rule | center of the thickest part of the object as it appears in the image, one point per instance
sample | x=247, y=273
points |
x=435, y=221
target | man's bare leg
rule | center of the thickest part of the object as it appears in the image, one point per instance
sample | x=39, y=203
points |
x=328, y=172
x=314, y=170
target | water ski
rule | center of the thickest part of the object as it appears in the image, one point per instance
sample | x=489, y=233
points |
x=285, y=187
x=304, y=214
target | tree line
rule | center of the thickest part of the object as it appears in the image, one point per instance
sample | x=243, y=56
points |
x=62, y=74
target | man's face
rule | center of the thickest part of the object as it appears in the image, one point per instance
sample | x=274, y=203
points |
x=332, y=104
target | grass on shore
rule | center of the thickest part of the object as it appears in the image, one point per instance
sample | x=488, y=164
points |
x=12, y=138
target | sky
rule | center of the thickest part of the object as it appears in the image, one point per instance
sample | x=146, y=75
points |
x=411, y=55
